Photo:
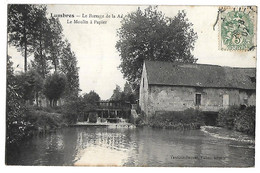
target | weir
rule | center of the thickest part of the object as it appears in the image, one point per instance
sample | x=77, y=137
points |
x=109, y=113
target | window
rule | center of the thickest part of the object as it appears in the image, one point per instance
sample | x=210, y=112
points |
x=198, y=99
x=246, y=101
x=225, y=100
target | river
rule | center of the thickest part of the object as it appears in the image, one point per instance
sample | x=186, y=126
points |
x=100, y=146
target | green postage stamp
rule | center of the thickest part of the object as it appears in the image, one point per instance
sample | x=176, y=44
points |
x=237, y=30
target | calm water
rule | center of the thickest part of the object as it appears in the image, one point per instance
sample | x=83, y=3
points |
x=100, y=146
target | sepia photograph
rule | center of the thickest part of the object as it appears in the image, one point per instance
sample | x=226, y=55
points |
x=130, y=85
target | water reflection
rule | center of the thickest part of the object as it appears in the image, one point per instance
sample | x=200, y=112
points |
x=102, y=146
x=99, y=146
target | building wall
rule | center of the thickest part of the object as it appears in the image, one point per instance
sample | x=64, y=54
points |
x=143, y=94
x=176, y=98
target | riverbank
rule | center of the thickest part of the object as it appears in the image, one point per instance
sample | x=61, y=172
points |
x=34, y=121
x=44, y=119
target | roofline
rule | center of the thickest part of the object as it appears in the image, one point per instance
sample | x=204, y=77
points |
x=200, y=86
x=182, y=63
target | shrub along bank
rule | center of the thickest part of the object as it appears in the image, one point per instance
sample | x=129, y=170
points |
x=33, y=121
x=44, y=119
x=235, y=118
x=188, y=119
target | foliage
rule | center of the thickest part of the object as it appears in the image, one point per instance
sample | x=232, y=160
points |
x=32, y=32
x=92, y=97
x=235, y=118
x=15, y=123
x=55, y=41
x=138, y=121
x=245, y=122
x=127, y=88
x=42, y=45
x=72, y=110
x=29, y=84
x=226, y=117
x=41, y=120
x=22, y=27
x=22, y=120
x=93, y=117
x=54, y=87
x=188, y=119
x=149, y=35
x=68, y=66
x=127, y=95
x=116, y=93
x=76, y=107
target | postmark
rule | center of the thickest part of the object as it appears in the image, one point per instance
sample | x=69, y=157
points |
x=237, y=28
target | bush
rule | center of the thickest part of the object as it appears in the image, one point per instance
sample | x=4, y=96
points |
x=15, y=113
x=140, y=120
x=44, y=120
x=93, y=117
x=72, y=109
x=237, y=119
x=188, y=119
x=245, y=122
x=76, y=108
x=226, y=117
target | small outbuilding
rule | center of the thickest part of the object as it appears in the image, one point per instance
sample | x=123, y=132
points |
x=167, y=86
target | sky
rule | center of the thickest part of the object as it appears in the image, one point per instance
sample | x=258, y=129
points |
x=94, y=44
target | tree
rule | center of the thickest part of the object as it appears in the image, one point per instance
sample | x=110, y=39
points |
x=127, y=88
x=29, y=84
x=92, y=97
x=68, y=66
x=149, y=35
x=22, y=20
x=54, y=87
x=129, y=94
x=116, y=93
x=42, y=42
x=15, y=124
x=55, y=41
x=10, y=71
x=41, y=64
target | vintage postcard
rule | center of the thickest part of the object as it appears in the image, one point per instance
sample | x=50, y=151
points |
x=131, y=85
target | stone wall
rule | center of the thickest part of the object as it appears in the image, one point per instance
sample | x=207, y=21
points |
x=175, y=98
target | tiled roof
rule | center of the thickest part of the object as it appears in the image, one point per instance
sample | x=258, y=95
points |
x=200, y=75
